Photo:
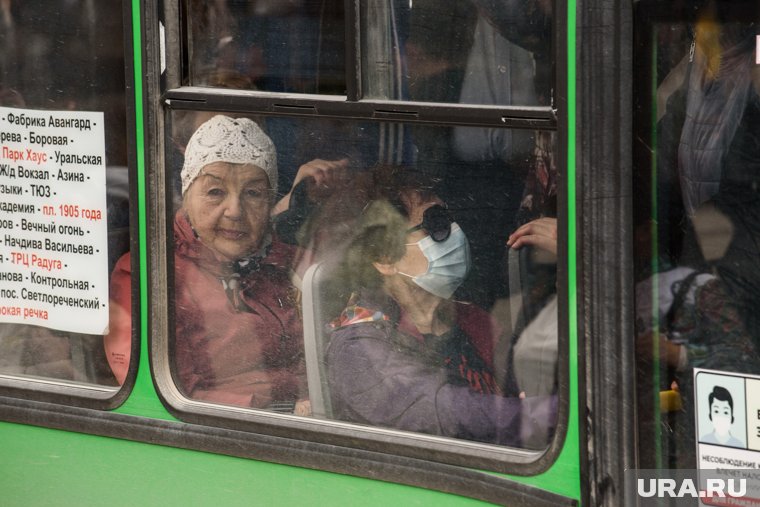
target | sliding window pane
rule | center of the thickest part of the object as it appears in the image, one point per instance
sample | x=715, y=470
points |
x=475, y=52
x=295, y=46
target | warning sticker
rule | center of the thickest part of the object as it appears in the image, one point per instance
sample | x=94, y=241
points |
x=727, y=413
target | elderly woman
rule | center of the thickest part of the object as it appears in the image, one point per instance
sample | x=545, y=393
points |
x=238, y=336
x=403, y=354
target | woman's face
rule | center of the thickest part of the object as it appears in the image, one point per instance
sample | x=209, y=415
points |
x=414, y=262
x=228, y=206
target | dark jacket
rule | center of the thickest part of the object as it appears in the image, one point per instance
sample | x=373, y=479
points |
x=732, y=183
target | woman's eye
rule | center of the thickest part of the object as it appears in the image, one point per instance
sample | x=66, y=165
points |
x=215, y=192
x=254, y=193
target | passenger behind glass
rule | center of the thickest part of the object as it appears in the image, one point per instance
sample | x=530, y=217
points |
x=527, y=23
x=696, y=323
x=705, y=275
x=509, y=63
x=708, y=214
x=709, y=154
x=237, y=326
x=403, y=354
x=294, y=46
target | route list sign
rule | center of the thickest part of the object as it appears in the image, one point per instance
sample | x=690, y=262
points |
x=53, y=228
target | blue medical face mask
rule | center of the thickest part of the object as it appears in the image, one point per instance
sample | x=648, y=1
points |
x=448, y=263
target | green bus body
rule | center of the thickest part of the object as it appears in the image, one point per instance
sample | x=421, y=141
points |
x=44, y=466
x=63, y=450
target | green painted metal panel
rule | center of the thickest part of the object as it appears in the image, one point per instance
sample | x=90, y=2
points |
x=143, y=399
x=45, y=467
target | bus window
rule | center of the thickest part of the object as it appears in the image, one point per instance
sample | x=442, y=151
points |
x=479, y=52
x=374, y=286
x=697, y=235
x=66, y=200
x=292, y=46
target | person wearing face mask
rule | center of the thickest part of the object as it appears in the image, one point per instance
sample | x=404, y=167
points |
x=403, y=354
x=721, y=405
x=238, y=332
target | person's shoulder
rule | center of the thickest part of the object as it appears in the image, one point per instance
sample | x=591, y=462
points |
x=357, y=340
x=358, y=330
x=358, y=320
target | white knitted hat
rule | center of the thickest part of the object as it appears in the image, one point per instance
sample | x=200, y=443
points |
x=232, y=140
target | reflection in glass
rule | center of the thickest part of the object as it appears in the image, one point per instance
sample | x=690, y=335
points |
x=68, y=56
x=316, y=311
x=272, y=45
x=478, y=52
x=697, y=236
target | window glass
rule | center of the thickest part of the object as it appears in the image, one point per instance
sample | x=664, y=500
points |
x=697, y=230
x=477, y=52
x=64, y=182
x=359, y=271
x=272, y=45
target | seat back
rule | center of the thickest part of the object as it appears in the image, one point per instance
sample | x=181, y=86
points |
x=518, y=262
x=319, y=308
x=532, y=351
